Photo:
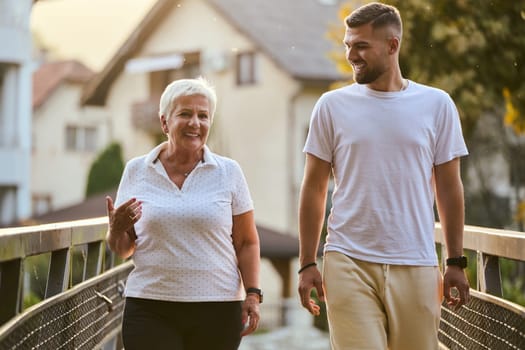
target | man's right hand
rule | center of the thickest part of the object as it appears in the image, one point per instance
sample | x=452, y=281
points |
x=309, y=279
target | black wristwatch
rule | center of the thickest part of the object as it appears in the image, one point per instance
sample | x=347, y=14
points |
x=256, y=291
x=460, y=261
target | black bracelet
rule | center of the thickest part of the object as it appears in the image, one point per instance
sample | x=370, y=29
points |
x=307, y=266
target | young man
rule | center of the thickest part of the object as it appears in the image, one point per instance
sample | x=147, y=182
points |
x=392, y=145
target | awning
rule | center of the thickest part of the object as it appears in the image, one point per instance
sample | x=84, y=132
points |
x=152, y=64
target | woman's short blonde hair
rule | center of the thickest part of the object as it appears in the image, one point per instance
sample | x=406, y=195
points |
x=186, y=87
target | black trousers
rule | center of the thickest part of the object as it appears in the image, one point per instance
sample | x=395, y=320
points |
x=153, y=324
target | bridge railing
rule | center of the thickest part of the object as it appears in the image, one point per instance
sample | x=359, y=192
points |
x=59, y=240
x=85, y=317
x=81, y=310
x=488, y=319
x=489, y=245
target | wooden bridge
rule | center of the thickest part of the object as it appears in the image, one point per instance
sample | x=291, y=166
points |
x=86, y=314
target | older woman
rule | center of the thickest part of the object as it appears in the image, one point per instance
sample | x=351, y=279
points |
x=185, y=216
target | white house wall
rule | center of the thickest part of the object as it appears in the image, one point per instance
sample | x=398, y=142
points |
x=257, y=129
x=127, y=89
x=56, y=171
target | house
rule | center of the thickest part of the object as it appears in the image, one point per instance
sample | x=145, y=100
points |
x=15, y=110
x=66, y=136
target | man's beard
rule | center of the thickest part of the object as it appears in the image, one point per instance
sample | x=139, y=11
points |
x=367, y=76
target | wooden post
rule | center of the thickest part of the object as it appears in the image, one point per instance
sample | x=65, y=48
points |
x=283, y=267
x=11, y=281
x=93, y=264
x=59, y=268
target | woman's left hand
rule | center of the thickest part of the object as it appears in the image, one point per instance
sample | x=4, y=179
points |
x=250, y=314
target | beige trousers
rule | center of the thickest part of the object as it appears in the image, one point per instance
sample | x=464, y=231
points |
x=378, y=306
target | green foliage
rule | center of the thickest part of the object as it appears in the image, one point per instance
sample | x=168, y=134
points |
x=513, y=290
x=471, y=270
x=30, y=299
x=106, y=170
x=513, y=281
x=36, y=269
x=473, y=49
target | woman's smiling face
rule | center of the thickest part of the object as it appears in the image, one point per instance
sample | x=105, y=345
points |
x=188, y=125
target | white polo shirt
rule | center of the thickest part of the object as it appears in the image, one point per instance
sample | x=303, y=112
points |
x=184, y=237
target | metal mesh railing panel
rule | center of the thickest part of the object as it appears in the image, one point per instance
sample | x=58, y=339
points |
x=79, y=319
x=482, y=325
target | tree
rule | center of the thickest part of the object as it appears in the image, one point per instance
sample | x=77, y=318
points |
x=474, y=50
x=106, y=170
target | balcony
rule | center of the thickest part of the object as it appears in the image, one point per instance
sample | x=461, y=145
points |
x=144, y=115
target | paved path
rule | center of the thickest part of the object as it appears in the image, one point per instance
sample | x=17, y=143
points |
x=299, y=335
x=288, y=338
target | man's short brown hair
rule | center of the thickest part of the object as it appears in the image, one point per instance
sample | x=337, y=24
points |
x=377, y=14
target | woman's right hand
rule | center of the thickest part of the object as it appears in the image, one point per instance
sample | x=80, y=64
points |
x=121, y=234
x=122, y=218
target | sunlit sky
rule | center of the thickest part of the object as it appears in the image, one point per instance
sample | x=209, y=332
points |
x=88, y=30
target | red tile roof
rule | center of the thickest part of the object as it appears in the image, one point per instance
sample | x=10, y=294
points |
x=50, y=75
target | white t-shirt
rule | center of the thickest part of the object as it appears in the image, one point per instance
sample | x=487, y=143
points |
x=383, y=146
x=184, y=237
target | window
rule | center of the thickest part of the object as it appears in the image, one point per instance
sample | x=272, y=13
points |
x=79, y=138
x=246, y=68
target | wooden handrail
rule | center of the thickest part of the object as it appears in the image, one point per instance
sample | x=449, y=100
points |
x=502, y=243
x=16, y=244
x=21, y=242
x=489, y=246
x=58, y=239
